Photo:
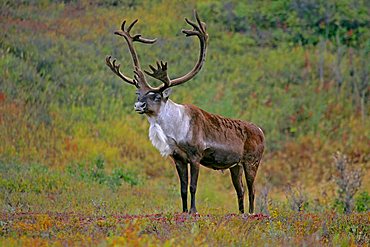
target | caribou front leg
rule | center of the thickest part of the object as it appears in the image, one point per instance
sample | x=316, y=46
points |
x=194, y=172
x=182, y=170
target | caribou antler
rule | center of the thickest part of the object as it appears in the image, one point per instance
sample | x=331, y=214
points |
x=159, y=73
x=115, y=68
x=199, y=30
x=139, y=81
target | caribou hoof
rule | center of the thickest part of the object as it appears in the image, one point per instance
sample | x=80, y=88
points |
x=193, y=211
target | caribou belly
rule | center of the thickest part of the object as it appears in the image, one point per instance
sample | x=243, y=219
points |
x=220, y=158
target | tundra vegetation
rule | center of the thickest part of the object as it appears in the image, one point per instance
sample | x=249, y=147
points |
x=76, y=164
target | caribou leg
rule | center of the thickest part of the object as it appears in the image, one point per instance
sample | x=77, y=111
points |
x=182, y=170
x=194, y=172
x=250, y=170
x=237, y=178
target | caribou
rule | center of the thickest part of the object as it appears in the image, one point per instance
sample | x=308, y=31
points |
x=188, y=134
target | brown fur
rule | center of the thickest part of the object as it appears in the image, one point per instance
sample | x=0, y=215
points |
x=219, y=143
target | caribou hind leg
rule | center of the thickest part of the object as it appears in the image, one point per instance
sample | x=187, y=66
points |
x=194, y=173
x=237, y=178
x=250, y=170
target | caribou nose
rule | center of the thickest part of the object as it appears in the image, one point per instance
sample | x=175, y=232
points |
x=139, y=106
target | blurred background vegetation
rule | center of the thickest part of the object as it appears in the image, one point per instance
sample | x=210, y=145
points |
x=69, y=135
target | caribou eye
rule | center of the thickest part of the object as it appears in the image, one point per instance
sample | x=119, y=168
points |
x=157, y=98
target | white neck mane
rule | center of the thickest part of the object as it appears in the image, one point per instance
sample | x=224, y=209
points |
x=169, y=127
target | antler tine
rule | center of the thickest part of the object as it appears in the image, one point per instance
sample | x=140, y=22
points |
x=164, y=64
x=138, y=38
x=160, y=73
x=201, y=24
x=116, y=69
x=123, y=25
x=193, y=24
x=132, y=25
x=199, y=28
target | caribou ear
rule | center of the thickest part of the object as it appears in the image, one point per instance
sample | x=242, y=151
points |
x=166, y=93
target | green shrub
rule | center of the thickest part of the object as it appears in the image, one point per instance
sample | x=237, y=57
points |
x=96, y=172
x=362, y=202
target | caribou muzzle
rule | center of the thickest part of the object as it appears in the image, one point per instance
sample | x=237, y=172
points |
x=140, y=107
